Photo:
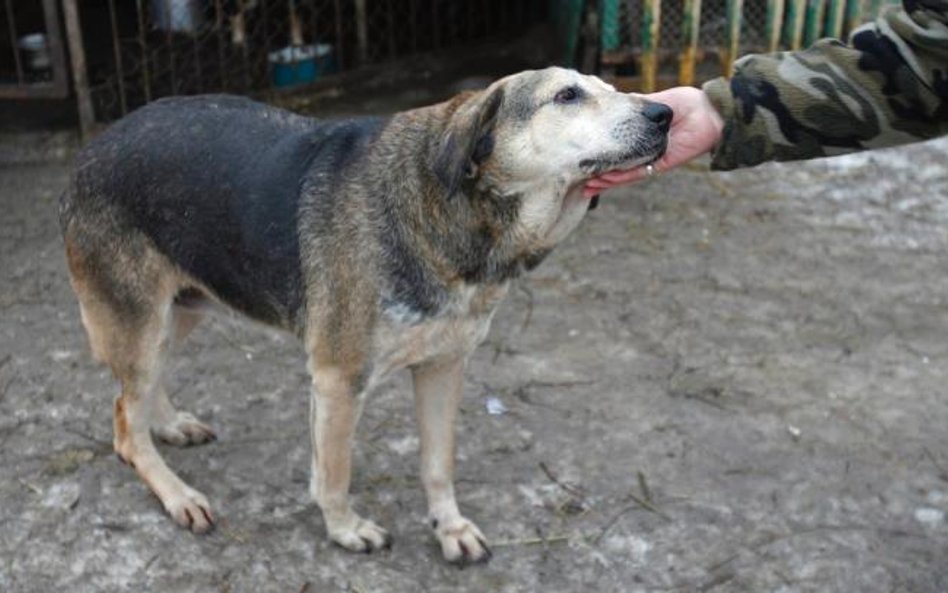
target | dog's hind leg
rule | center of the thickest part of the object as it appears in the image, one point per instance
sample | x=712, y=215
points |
x=438, y=388
x=126, y=309
x=168, y=424
x=334, y=411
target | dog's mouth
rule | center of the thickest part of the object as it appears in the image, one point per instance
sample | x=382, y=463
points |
x=638, y=156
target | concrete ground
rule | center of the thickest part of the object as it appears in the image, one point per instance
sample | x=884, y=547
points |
x=721, y=382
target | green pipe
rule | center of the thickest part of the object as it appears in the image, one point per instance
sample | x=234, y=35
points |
x=814, y=21
x=733, y=34
x=853, y=15
x=610, y=24
x=690, y=27
x=793, y=29
x=651, y=27
x=774, y=24
x=834, y=19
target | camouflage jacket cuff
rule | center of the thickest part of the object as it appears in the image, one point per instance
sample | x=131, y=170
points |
x=719, y=92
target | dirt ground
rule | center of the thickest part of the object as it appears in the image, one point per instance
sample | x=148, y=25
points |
x=721, y=382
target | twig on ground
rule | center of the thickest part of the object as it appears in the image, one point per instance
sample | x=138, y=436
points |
x=526, y=320
x=716, y=581
x=36, y=489
x=639, y=503
x=531, y=541
x=643, y=486
x=943, y=474
x=566, y=487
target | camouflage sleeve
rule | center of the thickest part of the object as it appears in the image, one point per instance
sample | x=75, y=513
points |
x=888, y=86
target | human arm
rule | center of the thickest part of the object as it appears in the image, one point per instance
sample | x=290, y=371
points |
x=889, y=86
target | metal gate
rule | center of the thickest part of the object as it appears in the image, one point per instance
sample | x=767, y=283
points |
x=33, y=63
x=650, y=44
x=135, y=51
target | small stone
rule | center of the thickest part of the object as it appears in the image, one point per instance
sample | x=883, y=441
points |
x=63, y=496
x=495, y=407
x=929, y=516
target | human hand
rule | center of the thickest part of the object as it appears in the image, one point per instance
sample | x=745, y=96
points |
x=695, y=129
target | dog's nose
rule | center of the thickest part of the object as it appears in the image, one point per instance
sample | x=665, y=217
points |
x=659, y=114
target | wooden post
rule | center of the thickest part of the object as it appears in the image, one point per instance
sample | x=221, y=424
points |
x=774, y=24
x=77, y=55
x=651, y=29
x=690, y=27
x=733, y=35
x=362, y=32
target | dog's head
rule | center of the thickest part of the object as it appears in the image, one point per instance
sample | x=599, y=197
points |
x=552, y=124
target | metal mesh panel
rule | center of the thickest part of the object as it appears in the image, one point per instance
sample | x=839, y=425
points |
x=139, y=50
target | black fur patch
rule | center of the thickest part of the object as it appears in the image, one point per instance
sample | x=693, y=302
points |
x=215, y=183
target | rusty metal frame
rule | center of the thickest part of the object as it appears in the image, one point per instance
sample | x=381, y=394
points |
x=58, y=87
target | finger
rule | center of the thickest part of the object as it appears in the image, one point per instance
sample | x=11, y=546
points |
x=615, y=177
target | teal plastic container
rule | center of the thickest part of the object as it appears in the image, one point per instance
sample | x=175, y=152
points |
x=291, y=66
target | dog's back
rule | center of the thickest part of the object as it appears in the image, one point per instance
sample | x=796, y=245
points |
x=214, y=183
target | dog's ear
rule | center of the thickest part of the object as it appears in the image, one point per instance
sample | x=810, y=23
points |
x=467, y=139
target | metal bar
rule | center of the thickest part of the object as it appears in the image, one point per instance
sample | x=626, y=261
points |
x=437, y=24
x=13, y=39
x=793, y=31
x=77, y=55
x=853, y=15
x=774, y=24
x=733, y=35
x=690, y=28
x=470, y=19
x=340, y=42
x=610, y=38
x=651, y=29
x=815, y=9
x=197, y=52
x=116, y=48
x=265, y=20
x=362, y=32
x=834, y=19
x=143, y=46
x=390, y=25
x=219, y=30
x=313, y=22
x=57, y=53
x=413, y=22
x=169, y=42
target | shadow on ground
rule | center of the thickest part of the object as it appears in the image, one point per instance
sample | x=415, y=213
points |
x=721, y=382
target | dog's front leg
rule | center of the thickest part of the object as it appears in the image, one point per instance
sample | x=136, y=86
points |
x=438, y=387
x=334, y=411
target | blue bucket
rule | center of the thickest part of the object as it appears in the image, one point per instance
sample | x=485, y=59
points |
x=294, y=65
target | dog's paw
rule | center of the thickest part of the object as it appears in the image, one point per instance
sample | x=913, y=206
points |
x=184, y=430
x=361, y=535
x=461, y=541
x=189, y=508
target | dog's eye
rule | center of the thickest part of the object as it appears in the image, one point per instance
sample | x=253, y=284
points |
x=570, y=94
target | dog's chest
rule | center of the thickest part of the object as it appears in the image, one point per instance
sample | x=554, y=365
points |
x=407, y=339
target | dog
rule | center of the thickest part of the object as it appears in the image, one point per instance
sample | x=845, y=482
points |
x=382, y=243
